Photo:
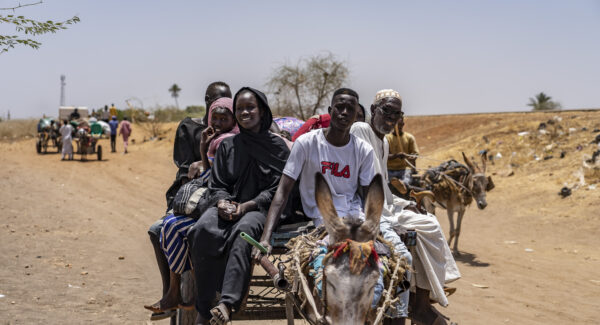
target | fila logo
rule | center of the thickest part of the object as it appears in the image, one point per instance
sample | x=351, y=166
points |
x=334, y=169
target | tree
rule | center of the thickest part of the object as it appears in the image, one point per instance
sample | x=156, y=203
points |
x=543, y=102
x=175, y=93
x=28, y=27
x=301, y=89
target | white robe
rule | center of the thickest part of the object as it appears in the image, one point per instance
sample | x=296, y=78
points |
x=433, y=263
x=67, y=145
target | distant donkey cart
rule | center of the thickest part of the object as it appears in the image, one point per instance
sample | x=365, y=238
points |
x=455, y=186
x=87, y=138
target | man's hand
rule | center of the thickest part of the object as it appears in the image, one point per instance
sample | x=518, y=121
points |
x=400, y=155
x=257, y=255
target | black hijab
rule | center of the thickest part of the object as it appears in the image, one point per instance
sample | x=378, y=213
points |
x=267, y=148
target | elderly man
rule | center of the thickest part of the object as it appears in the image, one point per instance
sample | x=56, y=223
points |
x=433, y=262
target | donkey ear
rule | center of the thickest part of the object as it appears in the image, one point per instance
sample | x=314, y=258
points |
x=484, y=161
x=468, y=162
x=333, y=224
x=373, y=208
x=490, y=184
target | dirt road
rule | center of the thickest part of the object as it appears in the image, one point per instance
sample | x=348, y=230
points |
x=75, y=248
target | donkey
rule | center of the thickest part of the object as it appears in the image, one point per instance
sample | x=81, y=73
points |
x=455, y=191
x=349, y=278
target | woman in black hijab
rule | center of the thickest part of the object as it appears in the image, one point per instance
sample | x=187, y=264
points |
x=245, y=175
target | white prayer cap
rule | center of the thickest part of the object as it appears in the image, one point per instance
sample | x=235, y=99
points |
x=387, y=93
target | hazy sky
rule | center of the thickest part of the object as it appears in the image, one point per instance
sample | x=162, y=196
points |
x=442, y=56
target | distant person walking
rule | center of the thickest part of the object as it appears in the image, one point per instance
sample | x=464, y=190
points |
x=113, y=110
x=114, y=125
x=126, y=132
x=66, y=132
x=106, y=114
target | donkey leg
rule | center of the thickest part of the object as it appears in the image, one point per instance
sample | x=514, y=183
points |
x=461, y=213
x=450, y=211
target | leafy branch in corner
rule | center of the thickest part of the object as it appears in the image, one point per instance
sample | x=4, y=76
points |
x=29, y=27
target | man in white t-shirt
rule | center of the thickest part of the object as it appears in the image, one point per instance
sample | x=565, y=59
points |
x=345, y=161
x=433, y=262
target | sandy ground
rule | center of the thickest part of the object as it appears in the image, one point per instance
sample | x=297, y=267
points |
x=75, y=248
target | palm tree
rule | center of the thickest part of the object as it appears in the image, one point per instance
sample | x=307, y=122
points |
x=175, y=93
x=543, y=102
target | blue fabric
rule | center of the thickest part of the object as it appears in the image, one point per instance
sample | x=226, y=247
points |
x=389, y=234
x=174, y=244
x=316, y=269
x=114, y=124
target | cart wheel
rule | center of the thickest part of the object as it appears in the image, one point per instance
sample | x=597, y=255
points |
x=99, y=152
x=38, y=146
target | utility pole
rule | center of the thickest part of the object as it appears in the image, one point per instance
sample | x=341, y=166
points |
x=62, y=89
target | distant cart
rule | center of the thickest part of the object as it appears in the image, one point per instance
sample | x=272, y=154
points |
x=86, y=138
x=47, y=136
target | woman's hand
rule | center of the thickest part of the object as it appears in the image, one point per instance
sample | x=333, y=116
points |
x=242, y=209
x=226, y=208
x=206, y=137
x=195, y=169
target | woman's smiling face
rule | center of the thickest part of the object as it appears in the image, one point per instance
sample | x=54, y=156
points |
x=247, y=112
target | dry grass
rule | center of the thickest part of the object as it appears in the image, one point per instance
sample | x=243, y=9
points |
x=18, y=129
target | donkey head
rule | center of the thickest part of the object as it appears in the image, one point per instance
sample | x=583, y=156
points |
x=480, y=183
x=351, y=273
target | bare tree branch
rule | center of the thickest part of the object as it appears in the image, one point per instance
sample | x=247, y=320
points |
x=308, y=83
x=21, y=6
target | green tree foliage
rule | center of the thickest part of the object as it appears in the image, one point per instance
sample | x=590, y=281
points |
x=195, y=110
x=175, y=93
x=29, y=27
x=543, y=102
x=303, y=88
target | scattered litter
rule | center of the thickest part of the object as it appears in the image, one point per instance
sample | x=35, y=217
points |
x=584, y=129
x=482, y=286
x=121, y=257
x=522, y=134
x=84, y=273
x=529, y=250
x=510, y=242
x=74, y=287
x=557, y=118
x=13, y=302
x=543, y=131
x=2, y=296
x=578, y=148
x=572, y=130
x=498, y=156
x=592, y=187
x=542, y=126
x=548, y=157
x=563, y=154
x=564, y=192
x=596, y=130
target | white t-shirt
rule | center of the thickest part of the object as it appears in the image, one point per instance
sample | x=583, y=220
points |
x=381, y=149
x=344, y=168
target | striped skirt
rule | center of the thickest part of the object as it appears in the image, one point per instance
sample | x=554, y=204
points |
x=174, y=244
